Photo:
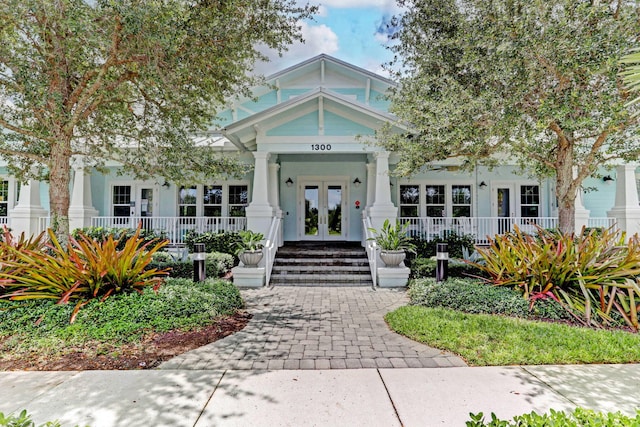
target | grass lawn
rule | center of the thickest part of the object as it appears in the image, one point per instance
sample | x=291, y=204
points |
x=486, y=340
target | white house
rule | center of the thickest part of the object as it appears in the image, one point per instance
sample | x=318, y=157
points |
x=316, y=176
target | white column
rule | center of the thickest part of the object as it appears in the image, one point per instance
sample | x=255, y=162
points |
x=626, y=210
x=259, y=211
x=371, y=185
x=81, y=208
x=581, y=213
x=274, y=197
x=382, y=207
x=25, y=217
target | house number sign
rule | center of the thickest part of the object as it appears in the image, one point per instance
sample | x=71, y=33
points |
x=320, y=147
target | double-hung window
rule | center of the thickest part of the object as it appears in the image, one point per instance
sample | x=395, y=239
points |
x=529, y=201
x=187, y=201
x=409, y=201
x=435, y=197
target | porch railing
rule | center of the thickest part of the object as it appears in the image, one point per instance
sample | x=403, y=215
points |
x=174, y=228
x=271, y=247
x=481, y=228
x=371, y=248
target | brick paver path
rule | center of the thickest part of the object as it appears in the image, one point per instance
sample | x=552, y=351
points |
x=316, y=328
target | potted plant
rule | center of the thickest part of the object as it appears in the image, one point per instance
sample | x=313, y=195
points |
x=394, y=242
x=250, y=248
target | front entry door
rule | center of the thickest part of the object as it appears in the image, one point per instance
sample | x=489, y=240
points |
x=322, y=211
x=504, y=207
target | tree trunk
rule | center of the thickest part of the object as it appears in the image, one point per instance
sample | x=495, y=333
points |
x=59, y=194
x=566, y=186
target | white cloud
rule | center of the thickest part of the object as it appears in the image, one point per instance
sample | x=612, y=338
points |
x=318, y=39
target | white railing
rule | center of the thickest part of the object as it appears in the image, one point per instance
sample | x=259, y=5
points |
x=429, y=228
x=271, y=247
x=601, y=222
x=44, y=222
x=372, y=249
x=174, y=229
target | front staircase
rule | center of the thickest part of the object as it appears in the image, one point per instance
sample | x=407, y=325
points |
x=321, y=264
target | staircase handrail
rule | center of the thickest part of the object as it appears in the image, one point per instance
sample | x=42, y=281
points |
x=372, y=249
x=271, y=247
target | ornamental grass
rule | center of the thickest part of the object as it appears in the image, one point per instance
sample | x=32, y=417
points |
x=593, y=275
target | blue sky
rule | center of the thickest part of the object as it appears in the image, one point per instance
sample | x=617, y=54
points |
x=351, y=30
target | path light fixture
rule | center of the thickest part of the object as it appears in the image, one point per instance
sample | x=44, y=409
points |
x=357, y=182
x=289, y=182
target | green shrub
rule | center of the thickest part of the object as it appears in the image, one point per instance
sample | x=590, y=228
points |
x=426, y=267
x=217, y=264
x=213, y=242
x=579, y=418
x=473, y=296
x=592, y=274
x=86, y=269
x=23, y=420
x=427, y=248
x=223, y=262
x=179, y=303
x=100, y=234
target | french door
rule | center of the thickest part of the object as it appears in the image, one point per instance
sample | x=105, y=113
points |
x=321, y=210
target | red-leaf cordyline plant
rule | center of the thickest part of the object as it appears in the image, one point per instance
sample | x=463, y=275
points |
x=594, y=272
x=87, y=269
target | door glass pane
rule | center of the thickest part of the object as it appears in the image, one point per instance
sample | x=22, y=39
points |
x=334, y=211
x=311, y=210
x=504, y=203
x=146, y=202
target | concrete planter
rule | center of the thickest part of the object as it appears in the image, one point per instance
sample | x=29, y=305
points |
x=250, y=259
x=394, y=277
x=392, y=259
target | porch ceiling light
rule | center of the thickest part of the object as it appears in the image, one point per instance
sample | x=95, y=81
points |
x=357, y=182
x=289, y=182
x=607, y=179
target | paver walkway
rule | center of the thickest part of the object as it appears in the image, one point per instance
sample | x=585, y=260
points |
x=316, y=328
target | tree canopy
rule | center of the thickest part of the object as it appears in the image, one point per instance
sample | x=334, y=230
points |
x=536, y=80
x=127, y=80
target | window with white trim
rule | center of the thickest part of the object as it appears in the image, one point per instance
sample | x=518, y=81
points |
x=4, y=198
x=212, y=200
x=409, y=201
x=121, y=200
x=529, y=201
x=460, y=200
x=238, y=199
x=435, y=198
x=187, y=201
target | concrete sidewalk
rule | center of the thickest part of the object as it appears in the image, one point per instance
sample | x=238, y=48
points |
x=339, y=397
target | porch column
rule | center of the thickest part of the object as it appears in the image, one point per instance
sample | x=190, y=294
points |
x=626, y=210
x=81, y=208
x=371, y=187
x=581, y=213
x=274, y=196
x=259, y=212
x=382, y=207
x=25, y=217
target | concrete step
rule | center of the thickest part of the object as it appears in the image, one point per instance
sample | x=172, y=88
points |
x=321, y=264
